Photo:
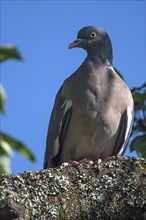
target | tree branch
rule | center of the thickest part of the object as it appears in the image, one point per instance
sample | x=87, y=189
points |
x=109, y=190
x=138, y=88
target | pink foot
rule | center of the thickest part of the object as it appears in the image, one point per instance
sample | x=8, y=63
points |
x=85, y=160
x=109, y=158
x=105, y=160
x=76, y=163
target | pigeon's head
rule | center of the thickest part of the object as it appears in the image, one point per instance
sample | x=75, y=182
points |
x=95, y=41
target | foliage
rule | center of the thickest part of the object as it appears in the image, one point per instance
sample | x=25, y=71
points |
x=2, y=99
x=9, y=52
x=7, y=142
x=139, y=126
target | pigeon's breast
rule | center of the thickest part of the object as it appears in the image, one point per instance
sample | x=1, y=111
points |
x=94, y=119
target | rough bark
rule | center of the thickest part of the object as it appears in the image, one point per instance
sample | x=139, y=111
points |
x=110, y=190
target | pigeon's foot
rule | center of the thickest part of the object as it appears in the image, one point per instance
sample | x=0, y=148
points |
x=109, y=158
x=76, y=163
x=87, y=161
x=104, y=160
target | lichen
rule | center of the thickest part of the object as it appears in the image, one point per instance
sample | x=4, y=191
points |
x=96, y=191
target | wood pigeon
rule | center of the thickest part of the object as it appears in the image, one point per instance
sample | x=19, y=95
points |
x=93, y=111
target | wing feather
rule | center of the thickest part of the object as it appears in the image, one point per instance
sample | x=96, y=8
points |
x=58, y=125
x=124, y=132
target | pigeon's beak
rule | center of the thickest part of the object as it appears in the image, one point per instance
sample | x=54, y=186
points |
x=76, y=43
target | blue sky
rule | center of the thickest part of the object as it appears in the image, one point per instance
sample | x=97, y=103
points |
x=42, y=31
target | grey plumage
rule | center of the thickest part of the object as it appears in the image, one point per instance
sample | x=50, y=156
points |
x=93, y=110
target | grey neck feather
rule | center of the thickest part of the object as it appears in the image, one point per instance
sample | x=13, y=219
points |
x=104, y=57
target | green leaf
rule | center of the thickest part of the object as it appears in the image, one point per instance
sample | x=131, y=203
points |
x=4, y=165
x=9, y=51
x=139, y=97
x=139, y=145
x=140, y=100
x=5, y=148
x=2, y=99
x=19, y=146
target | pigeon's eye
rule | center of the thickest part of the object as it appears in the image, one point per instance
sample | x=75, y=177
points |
x=93, y=34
